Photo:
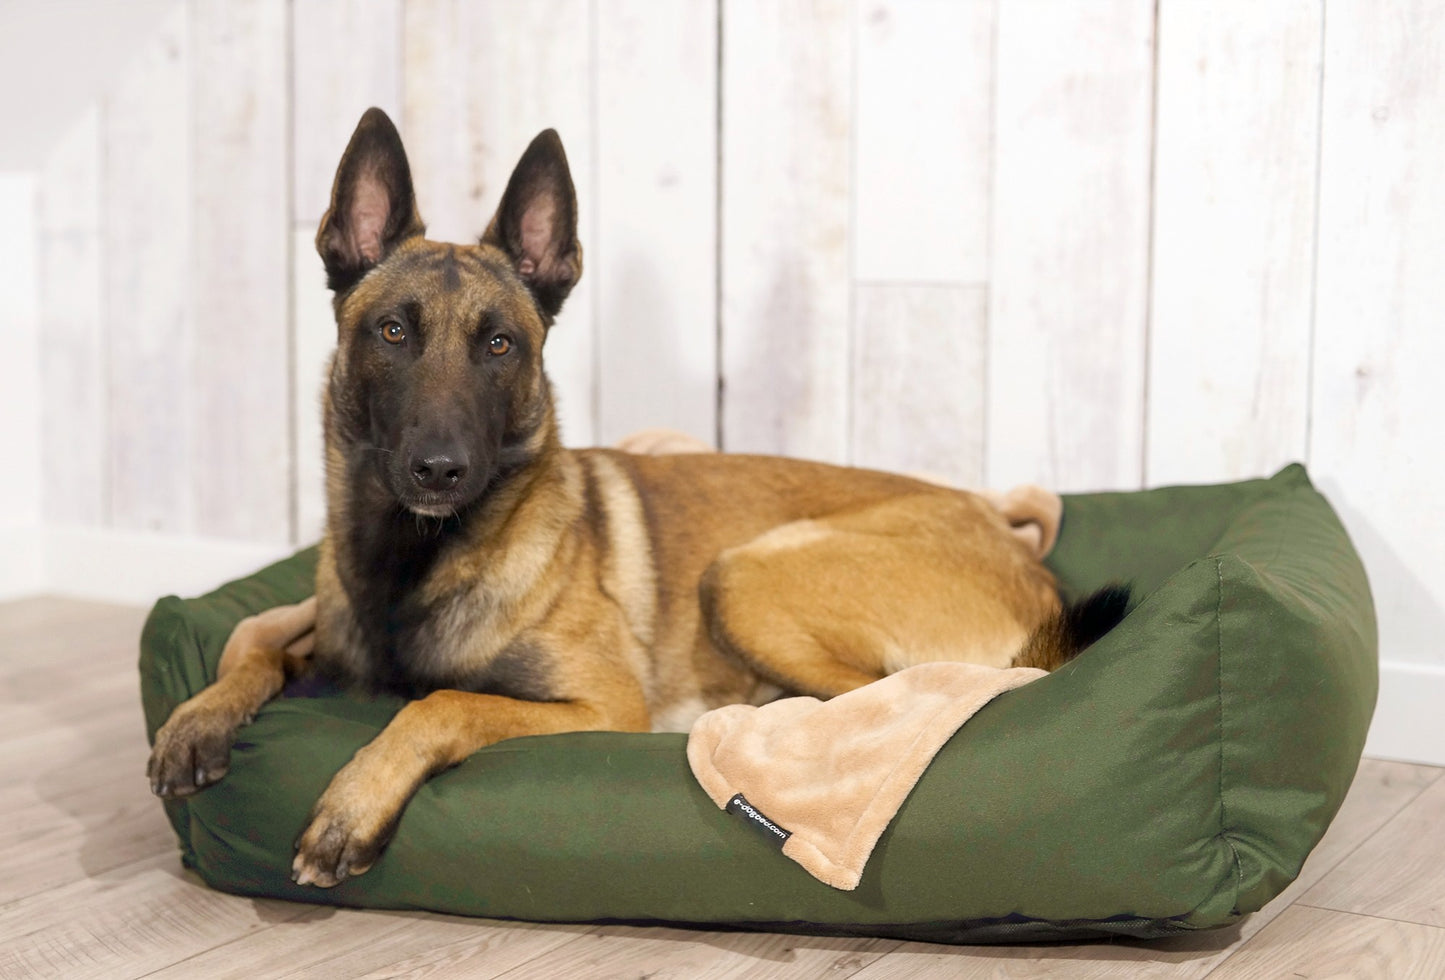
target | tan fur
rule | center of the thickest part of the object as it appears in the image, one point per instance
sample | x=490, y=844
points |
x=642, y=589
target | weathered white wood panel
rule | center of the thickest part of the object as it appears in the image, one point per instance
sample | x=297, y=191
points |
x=147, y=205
x=347, y=58
x=313, y=340
x=918, y=376
x=482, y=79
x=22, y=485
x=1375, y=427
x=924, y=121
x=653, y=255
x=73, y=343
x=241, y=443
x=1070, y=243
x=786, y=191
x=1234, y=202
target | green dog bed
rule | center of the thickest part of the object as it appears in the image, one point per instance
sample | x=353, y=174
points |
x=1173, y=778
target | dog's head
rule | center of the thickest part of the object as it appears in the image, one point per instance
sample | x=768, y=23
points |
x=437, y=380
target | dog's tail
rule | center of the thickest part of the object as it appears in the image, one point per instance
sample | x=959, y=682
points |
x=1075, y=627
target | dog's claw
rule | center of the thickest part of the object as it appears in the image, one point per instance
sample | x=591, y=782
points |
x=192, y=751
x=340, y=843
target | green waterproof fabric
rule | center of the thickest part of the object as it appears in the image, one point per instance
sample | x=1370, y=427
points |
x=1172, y=778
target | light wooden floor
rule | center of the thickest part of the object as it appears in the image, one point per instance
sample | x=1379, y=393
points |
x=91, y=886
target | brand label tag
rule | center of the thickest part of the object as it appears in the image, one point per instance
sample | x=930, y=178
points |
x=739, y=806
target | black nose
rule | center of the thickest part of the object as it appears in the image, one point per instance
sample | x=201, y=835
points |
x=440, y=471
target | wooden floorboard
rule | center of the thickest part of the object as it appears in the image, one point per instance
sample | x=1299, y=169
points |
x=92, y=884
x=1310, y=942
x=1399, y=873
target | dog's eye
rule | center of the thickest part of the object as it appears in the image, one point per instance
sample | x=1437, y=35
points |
x=499, y=345
x=393, y=332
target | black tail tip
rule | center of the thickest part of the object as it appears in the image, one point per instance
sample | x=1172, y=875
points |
x=1088, y=619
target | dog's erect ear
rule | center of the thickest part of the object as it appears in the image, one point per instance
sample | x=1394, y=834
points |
x=373, y=206
x=536, y=223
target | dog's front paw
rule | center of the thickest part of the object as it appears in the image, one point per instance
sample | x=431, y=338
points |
x=349, y=828
x=192, y=750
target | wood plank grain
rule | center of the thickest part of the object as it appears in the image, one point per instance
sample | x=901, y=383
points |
x=918, y=380
x=73, y=796
x=481, y=80
x=1070, y=243
x=455, y=947
x=618, y=951
x=786, y=192
x=653, y=255
x=52, y=842
x=347, y=57
x=1306, y=942
x=313, y=340
x=1080, y=961
x=124, y=923
x=136, y=917
x=1396, y=873
x=146, y=243
x=323, y=943
x=25, y=622
x=1379, y=293
x=72, y=365
x=924, y=121
x=91, y=887
x=241, y=480
x=1379, y=791
x=1233, y=260
x=21, y=393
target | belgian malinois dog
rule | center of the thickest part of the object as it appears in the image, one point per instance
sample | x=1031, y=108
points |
x=508, y=586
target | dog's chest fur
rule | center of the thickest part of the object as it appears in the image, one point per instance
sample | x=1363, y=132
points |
x=389, y=633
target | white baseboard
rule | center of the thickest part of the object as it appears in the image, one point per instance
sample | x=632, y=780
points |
x=135, y=568
x=22, y=561
x=1409, y=725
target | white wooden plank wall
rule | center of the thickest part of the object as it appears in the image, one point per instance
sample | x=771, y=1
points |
x=787, y=187
x=1087, y=244
x=1234, y=204
x=918, y=380
x=1071, y=163
x=21, y=399
x=146, y=218
x=72, y=357
x=653, y=252
x=1377, y=409
x=240, y=440
x=924, y=119
x=346, y=57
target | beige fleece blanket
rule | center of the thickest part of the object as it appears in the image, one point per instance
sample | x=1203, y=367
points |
x=822, y=779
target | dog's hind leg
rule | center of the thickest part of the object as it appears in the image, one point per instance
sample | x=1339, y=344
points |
x=193, y=748
x=823, y=606
x=771, y=631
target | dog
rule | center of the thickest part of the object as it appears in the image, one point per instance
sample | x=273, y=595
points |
x=507, y=586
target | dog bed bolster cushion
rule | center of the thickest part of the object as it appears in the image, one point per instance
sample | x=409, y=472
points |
x=1172, y=778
